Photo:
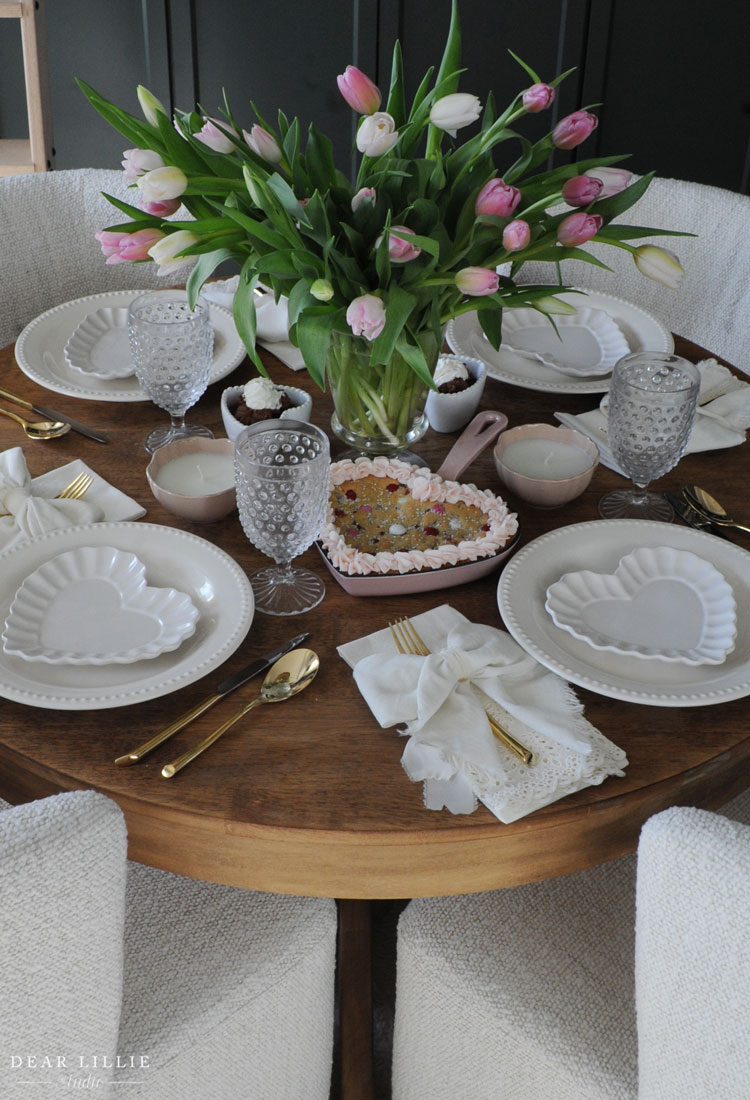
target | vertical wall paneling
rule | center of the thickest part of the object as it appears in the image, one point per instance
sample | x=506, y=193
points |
x=157, y=61
x=672, y=78
x=183, y=53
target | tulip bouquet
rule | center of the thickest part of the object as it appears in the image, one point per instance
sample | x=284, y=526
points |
x=374, y=268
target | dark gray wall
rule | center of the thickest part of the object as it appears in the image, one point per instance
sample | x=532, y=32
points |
x=672, y=77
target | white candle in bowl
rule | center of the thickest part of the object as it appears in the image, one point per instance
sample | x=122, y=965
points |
x=197, y=475
x=545, y=458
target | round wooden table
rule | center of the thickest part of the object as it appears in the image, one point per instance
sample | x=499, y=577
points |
x=310, y=798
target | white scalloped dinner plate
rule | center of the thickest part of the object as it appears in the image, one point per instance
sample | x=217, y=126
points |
x=93, y=606
x=215, y=583
x=641, y=330
x=599, y=545
x=40, y=349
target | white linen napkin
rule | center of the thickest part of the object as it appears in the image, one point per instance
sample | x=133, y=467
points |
x=272, y=320
x=33, y=505
x=722, y=419
x=442, y=699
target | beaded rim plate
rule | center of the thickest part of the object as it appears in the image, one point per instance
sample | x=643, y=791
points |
x=641, y=330
x=40, y=349
x=216, y=584
x=599, y=545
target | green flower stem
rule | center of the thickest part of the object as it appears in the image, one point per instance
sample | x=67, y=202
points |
x=376, y=402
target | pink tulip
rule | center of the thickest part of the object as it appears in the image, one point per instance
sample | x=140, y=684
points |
x=399, y=249
x=120, y=248
x=578, y=228
x=516, y=235
x=137, y=161
x=477, y=282
x=263, y=144
x=214, y=137
x=359, y=91
x=365, y=196
x=538, y=97
x=497, y=197
x=582, y=190
x=573, y=129
x=163, y=209
x=366, y=316
x=613, y=180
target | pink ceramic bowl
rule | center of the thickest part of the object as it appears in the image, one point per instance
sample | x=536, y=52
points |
x=540, y=454
x=199, y=486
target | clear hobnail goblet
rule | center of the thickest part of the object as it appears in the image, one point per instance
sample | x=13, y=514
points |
x=172, y=347
x=652, y=403
x=282, y=475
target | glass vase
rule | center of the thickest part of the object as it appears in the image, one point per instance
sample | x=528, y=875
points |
x=377, y=409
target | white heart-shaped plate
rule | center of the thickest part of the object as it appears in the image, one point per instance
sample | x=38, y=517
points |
x=586, y=343
x=99, y=346
x=92, y=606
x=659, y=603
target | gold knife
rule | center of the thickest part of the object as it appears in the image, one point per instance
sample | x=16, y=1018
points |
x=225, y=688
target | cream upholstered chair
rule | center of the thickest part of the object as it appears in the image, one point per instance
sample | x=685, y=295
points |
x=692, y=959
x=187, y=989
x=712, y=304
x=530, y=993
x=49, y=252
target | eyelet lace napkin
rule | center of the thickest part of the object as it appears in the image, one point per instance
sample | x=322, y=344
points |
x=450, y=747
x=722, y=420
x=34, y=509
x=272, y=320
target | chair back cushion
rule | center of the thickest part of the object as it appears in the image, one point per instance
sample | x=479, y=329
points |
x=693, y=956
x=62, y=906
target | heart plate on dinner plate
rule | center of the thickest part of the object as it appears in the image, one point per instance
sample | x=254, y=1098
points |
x=659, y=603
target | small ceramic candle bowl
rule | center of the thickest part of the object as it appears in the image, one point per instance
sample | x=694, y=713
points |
x=194, y=478
x=544, y=465
x=449, y=412
x=230, y=398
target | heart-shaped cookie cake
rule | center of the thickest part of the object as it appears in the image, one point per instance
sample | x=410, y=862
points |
x=387, y=516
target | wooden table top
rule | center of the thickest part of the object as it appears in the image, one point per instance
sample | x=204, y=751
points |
x=311, y=798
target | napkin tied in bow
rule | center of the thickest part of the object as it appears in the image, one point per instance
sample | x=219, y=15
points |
x=32, y=515
x=440, y=700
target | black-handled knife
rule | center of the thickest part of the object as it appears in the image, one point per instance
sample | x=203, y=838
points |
x=42, y=410
x=225, y=688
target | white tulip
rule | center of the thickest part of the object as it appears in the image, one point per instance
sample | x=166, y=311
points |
x=659, y=264
x=166, y=252
x=377, y=134
x=454, y=111
x=162, y=184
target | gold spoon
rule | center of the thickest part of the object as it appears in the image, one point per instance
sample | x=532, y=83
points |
x=39, y=429
x=291, y=673
x=709, y=507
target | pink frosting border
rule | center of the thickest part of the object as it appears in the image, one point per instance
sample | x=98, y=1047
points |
x=423, y=485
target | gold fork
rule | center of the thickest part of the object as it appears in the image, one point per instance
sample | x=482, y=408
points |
x=407, y=640
x=78, y=488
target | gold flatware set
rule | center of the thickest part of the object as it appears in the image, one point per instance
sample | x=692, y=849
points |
x=285, y=678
